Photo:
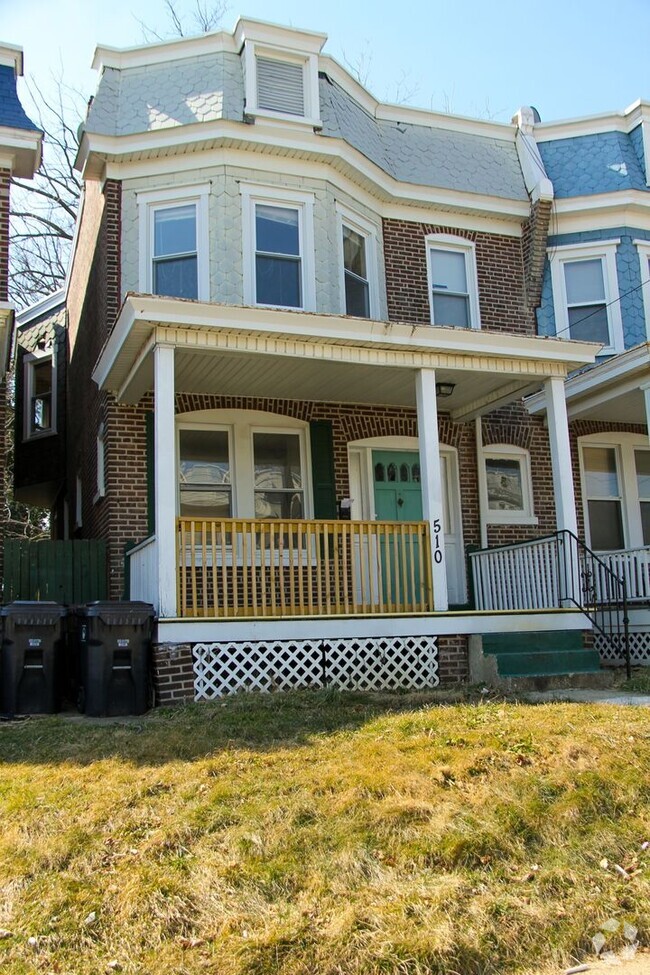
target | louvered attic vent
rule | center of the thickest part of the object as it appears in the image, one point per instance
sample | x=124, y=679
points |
x=280, y=86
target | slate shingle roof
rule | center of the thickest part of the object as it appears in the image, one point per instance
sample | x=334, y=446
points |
x=589, y=164
x=12, y=113
x=210, y=87
x=425, y=155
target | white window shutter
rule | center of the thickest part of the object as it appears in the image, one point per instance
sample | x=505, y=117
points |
x=280, y=86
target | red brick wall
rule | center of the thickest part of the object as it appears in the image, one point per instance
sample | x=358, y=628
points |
x=453, y=659
x=120, y=516
x=500, y=270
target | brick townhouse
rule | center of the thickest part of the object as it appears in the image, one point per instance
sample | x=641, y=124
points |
x=301, y=326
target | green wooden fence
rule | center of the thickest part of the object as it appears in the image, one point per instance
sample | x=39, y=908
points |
x=66, y=572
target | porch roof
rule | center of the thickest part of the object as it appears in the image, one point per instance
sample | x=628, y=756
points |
x=270, y=352
x=614, y=391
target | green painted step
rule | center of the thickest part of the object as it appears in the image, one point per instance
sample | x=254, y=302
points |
x=554, y=642
x=545, y=663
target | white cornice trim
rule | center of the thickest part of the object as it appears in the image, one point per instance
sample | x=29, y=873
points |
x=213, y=42
x=11, y=56
x=602, y=202
x=277, y=36
x=21, y=150
x=613, y=370
x=260, y=136
x=571, y=128
x=162, y=51
x=41, y=307
x=183, y=168
x=383, y=342
x=386, y=111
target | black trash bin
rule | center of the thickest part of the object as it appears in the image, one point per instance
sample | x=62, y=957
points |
x=32, y=657
x=114, y=645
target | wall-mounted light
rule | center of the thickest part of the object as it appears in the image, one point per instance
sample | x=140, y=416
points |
x=445, y=389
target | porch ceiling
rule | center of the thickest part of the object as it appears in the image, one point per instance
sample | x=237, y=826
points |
x=241, y=351
x=613, y=391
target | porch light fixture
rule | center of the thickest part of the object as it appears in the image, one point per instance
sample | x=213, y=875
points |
x=445, y=389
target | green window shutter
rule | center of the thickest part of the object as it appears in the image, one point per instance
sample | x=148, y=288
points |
x=151, y=470
x=322, y=469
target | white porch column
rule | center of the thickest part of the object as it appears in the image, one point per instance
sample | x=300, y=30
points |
x=645, y=388
x=165, y=478
x=429, y=444
x=558, y=432
x=565, y=502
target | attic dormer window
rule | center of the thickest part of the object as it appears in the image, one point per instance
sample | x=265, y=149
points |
x=281, y=86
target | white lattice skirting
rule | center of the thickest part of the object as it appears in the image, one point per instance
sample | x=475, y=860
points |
x=639, y=649
x=361, y=664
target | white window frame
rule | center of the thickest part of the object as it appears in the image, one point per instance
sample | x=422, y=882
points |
x=241, y=425
x=643, y=248
x=254, y=194
x=152, y=201
x=101, y=463
x=309, y=63
x=625, y=445
x=522, y=456
x=30, y=360
x=605, y=251
x=197, y=424
x=348, y=218
x=450, y=242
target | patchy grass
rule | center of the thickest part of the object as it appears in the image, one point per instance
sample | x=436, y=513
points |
x=323, y=834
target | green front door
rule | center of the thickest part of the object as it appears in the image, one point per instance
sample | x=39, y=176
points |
x=398, y=497
x=396, y=474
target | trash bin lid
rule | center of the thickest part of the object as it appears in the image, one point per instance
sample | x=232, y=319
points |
x=119, y=612
x=30, y=612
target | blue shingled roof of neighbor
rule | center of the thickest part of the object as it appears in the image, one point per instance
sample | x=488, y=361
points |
x=12, y=113
x=589, y=164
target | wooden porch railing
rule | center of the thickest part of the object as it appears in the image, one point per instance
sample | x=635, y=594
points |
x=235, y=568
x=632, y=565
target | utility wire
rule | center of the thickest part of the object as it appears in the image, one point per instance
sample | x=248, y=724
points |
x=607, y=305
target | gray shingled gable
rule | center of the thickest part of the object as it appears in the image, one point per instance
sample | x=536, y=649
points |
x=210, y=87
x=421, y=154
x=161, y=96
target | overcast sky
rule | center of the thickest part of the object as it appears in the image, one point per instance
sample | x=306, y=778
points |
x=472, y=57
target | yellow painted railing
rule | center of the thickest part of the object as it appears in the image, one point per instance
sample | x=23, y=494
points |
x=233, y=568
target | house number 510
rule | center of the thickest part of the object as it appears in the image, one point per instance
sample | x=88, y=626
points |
x=437, y=549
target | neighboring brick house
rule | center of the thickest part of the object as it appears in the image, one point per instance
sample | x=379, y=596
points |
x=20, y=155
x=300, y=327
x=596, y=285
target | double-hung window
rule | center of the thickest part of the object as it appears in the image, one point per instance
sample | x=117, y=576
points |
x=205, y=482
x=278, y=263
x=279, y=491
x=40, y=405
x=359, y=265
x=174, y=242
x=604, y=498
x=278, y=247
x=174, y=257
x=585, y=293
x=453, y=282
x=241, y=464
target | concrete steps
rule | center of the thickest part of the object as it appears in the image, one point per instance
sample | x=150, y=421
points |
x=540, y=654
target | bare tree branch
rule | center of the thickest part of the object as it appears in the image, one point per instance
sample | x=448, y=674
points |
x=202, y=17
